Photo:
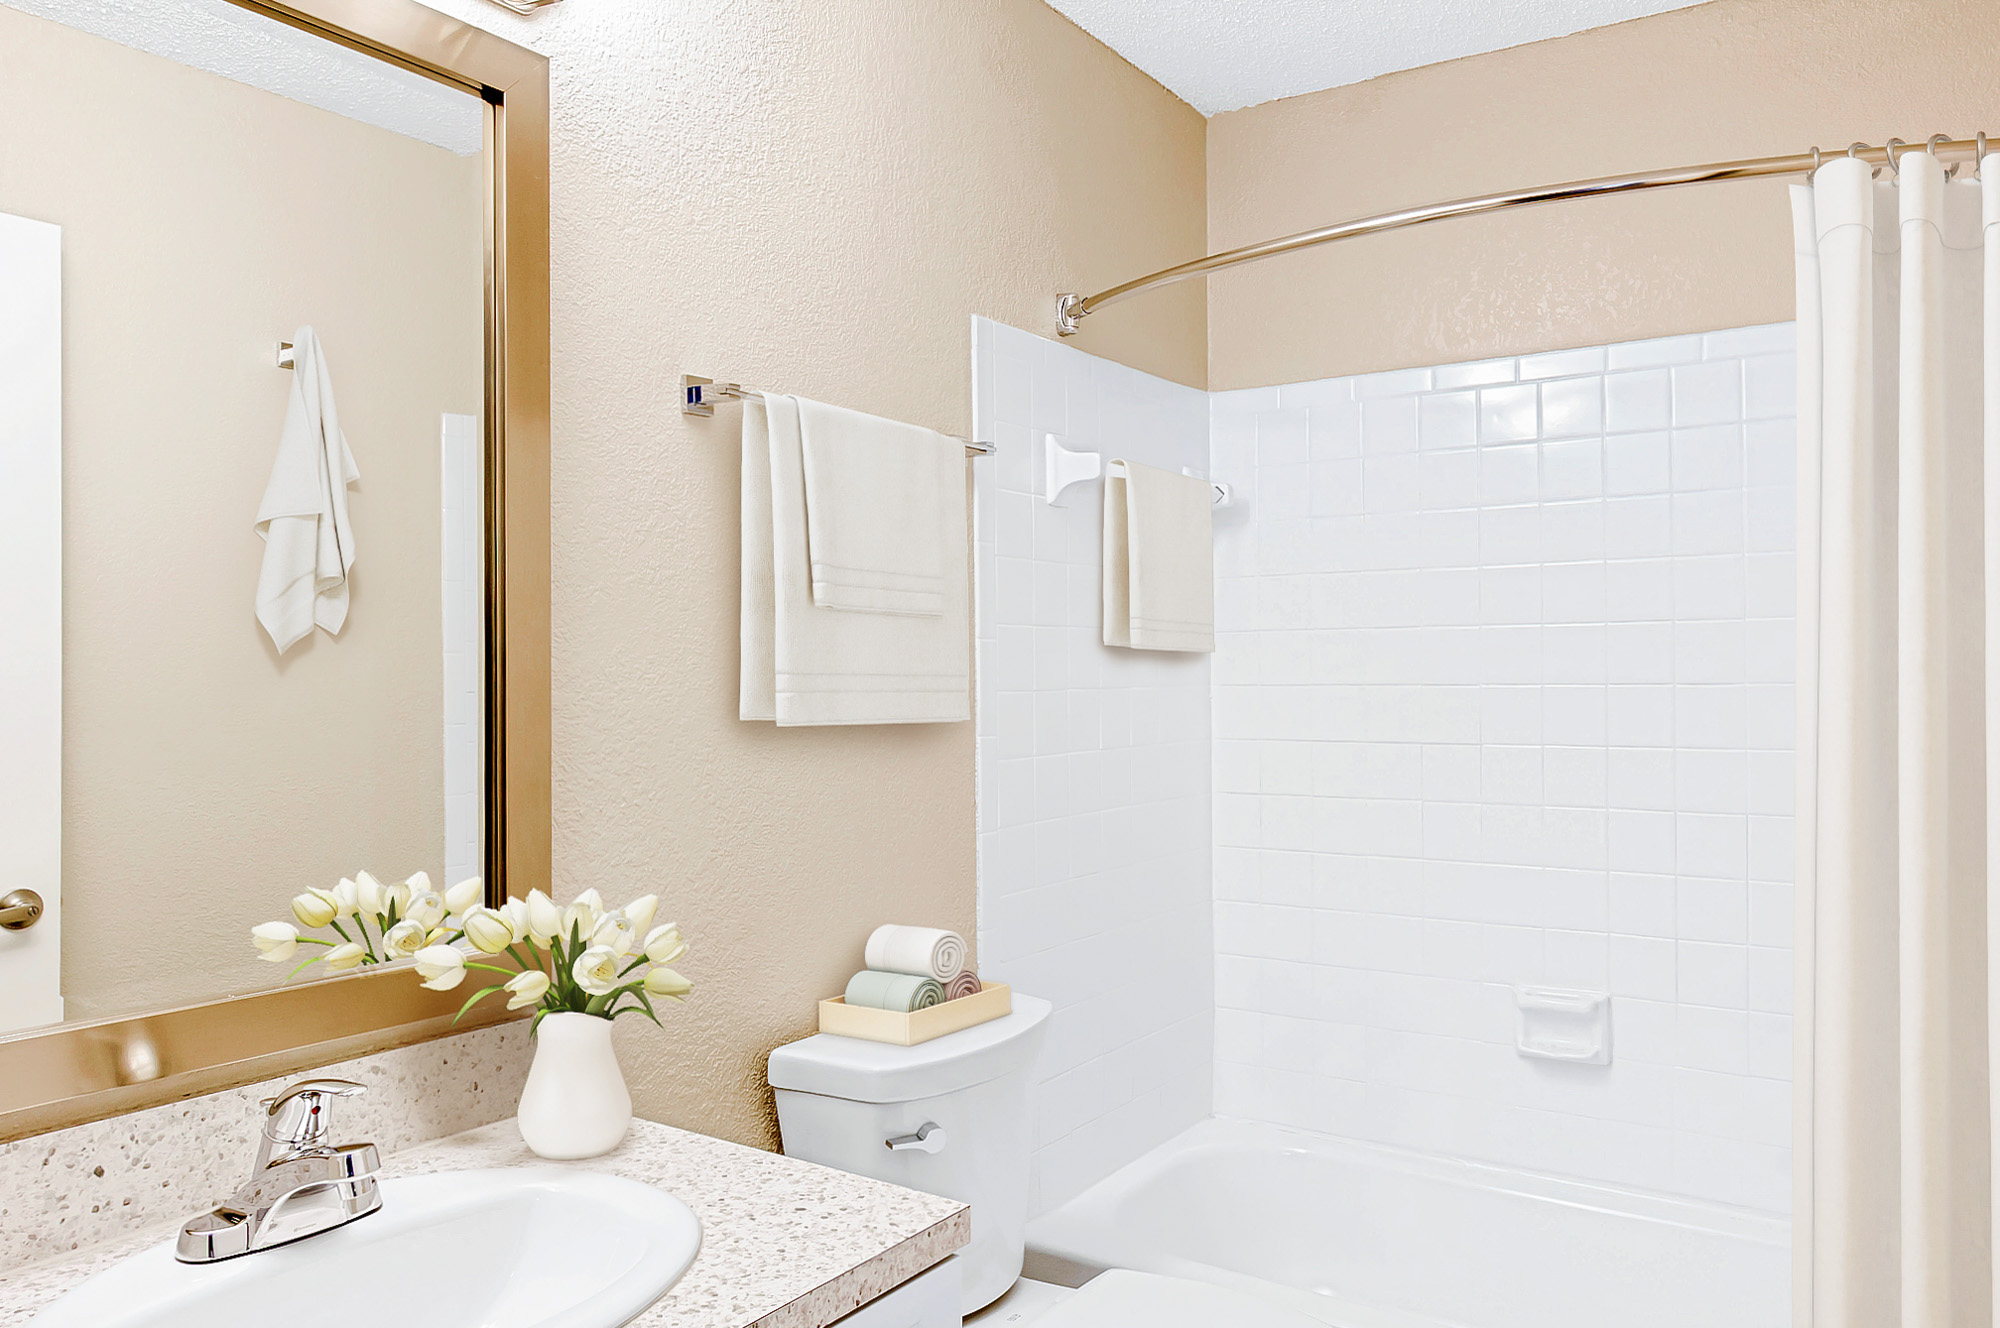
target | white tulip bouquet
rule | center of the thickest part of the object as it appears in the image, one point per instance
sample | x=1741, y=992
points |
x=582, y=958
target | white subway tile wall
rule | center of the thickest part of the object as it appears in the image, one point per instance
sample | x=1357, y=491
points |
x=1094, y=799
x=1503, y=696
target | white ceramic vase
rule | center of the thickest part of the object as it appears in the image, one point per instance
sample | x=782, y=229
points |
x=575, y=1103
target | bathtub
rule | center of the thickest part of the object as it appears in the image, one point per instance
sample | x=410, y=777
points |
x=1363, y=1236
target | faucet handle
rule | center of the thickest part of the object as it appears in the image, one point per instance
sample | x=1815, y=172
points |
x=298, y=1118
x=316, y=1088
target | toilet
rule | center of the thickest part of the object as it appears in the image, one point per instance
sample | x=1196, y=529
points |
x=840, y=1100
x=951, y=1117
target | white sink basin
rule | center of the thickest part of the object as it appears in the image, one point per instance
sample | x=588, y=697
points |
x=512, y=1248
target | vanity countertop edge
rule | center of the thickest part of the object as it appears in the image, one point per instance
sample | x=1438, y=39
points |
x=785, y=1243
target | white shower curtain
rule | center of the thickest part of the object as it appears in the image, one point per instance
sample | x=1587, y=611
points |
x=1899, y=552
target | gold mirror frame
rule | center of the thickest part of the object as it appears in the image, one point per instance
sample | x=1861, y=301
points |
x=72, y=1073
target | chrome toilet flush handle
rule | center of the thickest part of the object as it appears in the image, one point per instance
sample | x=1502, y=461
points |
x=929, y=1138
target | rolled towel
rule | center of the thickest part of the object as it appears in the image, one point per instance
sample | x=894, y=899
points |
x=925, y=951
x=965, y=984
x=893, y=991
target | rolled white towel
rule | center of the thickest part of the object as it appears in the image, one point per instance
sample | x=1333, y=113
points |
x=923, y=951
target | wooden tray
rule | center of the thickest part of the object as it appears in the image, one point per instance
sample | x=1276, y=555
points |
x=907, y=1030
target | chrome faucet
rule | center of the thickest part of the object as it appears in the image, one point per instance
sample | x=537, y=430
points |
x=302, y=1183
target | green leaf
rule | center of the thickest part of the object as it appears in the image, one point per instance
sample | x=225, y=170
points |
x=640, y=992
x=477, y=997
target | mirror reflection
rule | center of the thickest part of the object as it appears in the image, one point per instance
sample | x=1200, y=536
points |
x=242, y=528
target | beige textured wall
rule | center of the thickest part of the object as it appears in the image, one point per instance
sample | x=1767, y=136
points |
x=206, y=779
x=1733, y=78
x=812, y=198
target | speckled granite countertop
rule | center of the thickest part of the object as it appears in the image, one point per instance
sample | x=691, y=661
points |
x=784, y=1243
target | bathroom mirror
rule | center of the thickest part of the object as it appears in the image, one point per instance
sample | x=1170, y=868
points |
x=273, y=518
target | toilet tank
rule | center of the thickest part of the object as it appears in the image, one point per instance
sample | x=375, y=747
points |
x=840, y=1100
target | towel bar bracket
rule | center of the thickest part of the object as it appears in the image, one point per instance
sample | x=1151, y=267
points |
x=1220, y=494
x=699, y=395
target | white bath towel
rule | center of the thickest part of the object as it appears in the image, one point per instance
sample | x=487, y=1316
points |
x=1159, y=559
x=308, y=543
x=926, y=952
x=836, y=666
x=757, y=672
x=874, y=510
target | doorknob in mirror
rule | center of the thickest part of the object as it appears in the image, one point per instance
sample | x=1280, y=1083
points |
x=20, y=909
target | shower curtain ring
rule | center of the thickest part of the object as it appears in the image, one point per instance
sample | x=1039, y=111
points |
x=1815, y=152
x=1979, y=156
x=1890, y=147
x=1931, y=146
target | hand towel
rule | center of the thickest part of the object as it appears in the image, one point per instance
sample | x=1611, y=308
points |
x=1159, y=559
x=757, y=672
x=925, y=951
x=308, y=544
x=893, y=991
x=875, y=510
x=965, y=984
x=832, y=666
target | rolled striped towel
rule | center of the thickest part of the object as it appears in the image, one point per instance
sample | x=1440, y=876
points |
x=893, y=991
x=924, y=951
x=965, y=984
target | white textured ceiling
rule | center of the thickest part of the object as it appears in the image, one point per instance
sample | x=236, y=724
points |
x=223, y=39
x=1219, y=55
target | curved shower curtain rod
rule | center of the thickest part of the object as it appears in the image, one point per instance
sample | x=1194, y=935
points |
x=1072, y=309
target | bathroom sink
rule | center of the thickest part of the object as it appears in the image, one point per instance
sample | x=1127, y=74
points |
x=510, y=1248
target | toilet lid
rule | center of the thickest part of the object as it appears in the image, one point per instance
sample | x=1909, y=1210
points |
x=1124, y=1299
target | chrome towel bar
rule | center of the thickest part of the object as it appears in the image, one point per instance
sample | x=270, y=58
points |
x=699, y=395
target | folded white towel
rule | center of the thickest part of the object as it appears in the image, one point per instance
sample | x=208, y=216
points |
x=757, y=675
x=832, y=666
x=308, y=544
x=1159, y=559
x=874, y=510
x=922, y=951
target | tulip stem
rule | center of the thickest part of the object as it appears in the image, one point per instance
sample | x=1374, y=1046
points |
x=475, y=998
x=490, y=968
